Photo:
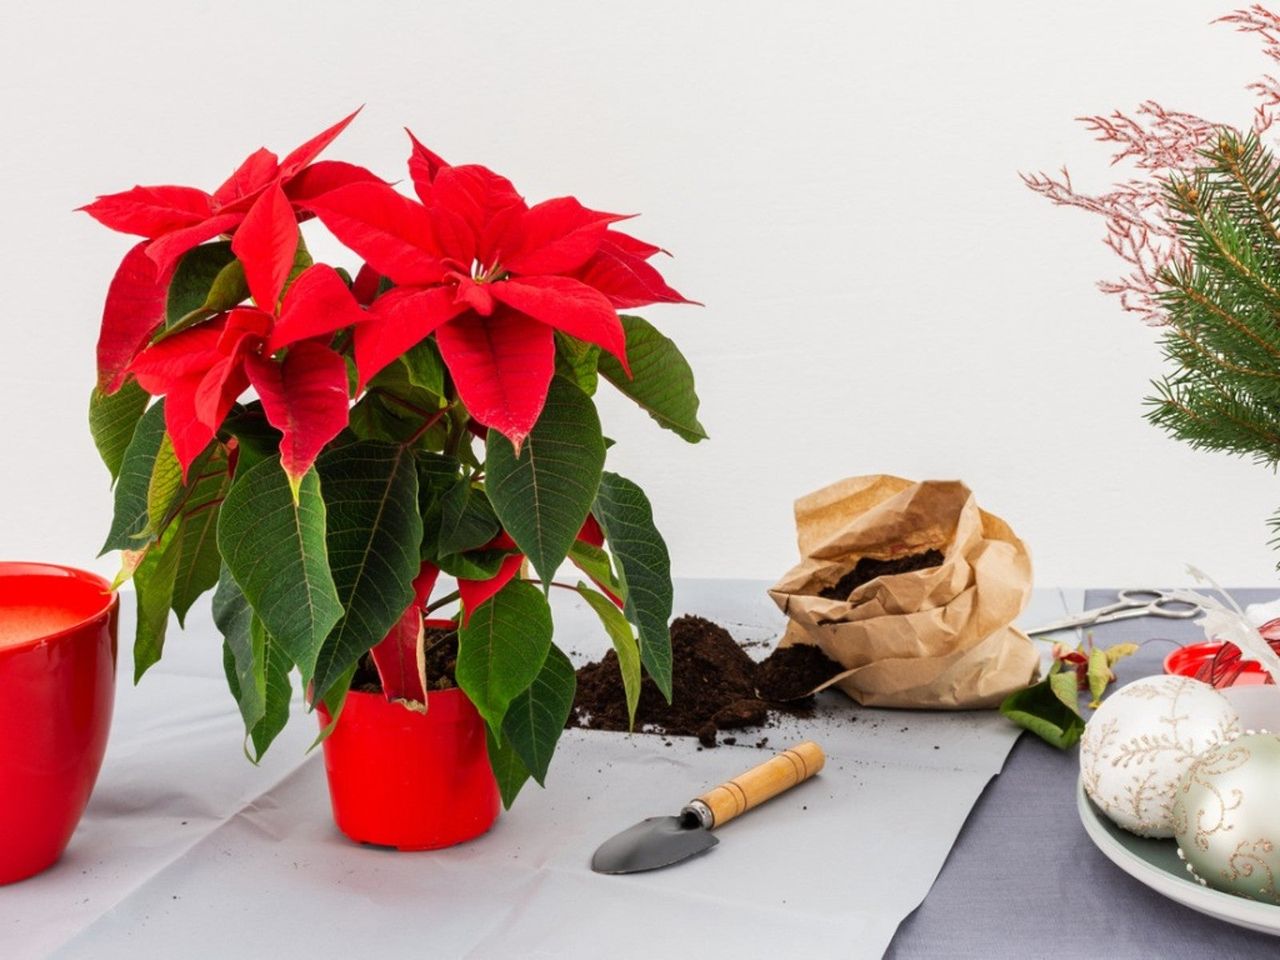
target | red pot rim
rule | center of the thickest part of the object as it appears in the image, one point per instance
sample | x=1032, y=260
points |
x=453, y=699
x=54, y=571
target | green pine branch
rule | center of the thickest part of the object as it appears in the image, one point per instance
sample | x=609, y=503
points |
x=1222, y=301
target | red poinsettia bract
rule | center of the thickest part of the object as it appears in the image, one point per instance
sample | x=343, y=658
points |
x=202, y=371
x=491, y=277
x=263, y=198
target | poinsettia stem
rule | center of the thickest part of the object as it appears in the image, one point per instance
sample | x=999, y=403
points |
x=443, y=601
x=411, y=407
x=557, y=583
x=427, y=650
x=426, y=425
x=207, y=505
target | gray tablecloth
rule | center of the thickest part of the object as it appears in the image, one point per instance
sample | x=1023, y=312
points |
x=1023, y=879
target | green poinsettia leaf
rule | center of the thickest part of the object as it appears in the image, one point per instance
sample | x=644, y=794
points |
x=199, y=562
x=193, y=280
x=536, y=717
x=302, y=261
x=373, y=534
x=624, y=644
x=112, y=420
x=467, y=519
x=644, y=567
x=256, y=439
x=437, y=473
x=334, y=700
x=508, y=769
x=1049, y=709
x=257, y=668
x=661, y=380
x=501, y=648
x=378, y=415
x=165, y=484
x=228, y=289
x=153, y=584
x=275, y=548
x=246, y=668
x=424, y=369
x=401, y=396
x=579, y=362
x=596, y=564
x=543, y=495
x=373, y=418
x=473, y=565
x=130, y=524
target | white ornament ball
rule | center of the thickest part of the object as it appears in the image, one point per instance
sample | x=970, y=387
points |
x=1227, y=817
x=1139, y=743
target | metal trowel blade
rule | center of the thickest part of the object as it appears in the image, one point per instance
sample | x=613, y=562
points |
x=653, y=843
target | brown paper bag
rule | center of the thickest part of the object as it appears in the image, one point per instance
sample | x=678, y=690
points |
x=939, y=638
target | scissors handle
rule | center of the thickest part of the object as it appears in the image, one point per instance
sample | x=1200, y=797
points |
x=1142, y=598
x=1165, y=609
x=1129, y=605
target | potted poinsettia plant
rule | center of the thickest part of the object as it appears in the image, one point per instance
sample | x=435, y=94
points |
x=340, y=456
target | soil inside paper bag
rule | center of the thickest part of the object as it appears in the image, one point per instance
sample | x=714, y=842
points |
x=868, y=568
x=713, y=689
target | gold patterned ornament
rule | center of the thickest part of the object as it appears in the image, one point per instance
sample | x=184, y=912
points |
x=1227, y=817
x=1141, y=741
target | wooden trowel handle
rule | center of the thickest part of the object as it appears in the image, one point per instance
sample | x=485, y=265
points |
x=735, y=797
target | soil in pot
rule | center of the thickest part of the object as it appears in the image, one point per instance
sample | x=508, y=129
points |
x=440, y=645
x=713, y=689
x=868, y=568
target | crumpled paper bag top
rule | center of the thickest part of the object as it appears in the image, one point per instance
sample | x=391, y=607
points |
x=941, y=637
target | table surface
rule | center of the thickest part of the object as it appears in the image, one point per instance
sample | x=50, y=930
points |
x=1023, y=878
x=188, y=849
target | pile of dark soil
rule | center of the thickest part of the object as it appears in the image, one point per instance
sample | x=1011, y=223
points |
x=713, y=688
x=789, y=673
x=868, y=568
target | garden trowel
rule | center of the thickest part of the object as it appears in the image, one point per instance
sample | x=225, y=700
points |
x=662, y=841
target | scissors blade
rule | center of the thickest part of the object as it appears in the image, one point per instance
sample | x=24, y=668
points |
x=1066, y=623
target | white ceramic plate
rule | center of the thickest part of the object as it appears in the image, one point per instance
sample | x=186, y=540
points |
x=1155, y=862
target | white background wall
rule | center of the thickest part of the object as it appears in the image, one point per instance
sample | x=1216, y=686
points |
x=839, y=184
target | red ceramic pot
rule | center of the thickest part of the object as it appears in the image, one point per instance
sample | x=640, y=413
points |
x=57, y=686
x=410, y=780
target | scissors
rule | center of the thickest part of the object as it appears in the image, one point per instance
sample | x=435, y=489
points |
x=1129, y=604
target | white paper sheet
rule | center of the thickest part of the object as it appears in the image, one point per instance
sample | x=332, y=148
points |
x=189, y=850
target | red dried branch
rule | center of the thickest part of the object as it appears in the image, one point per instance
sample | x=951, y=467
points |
x=1257, y=19
x=1158, y=142
x=1162, y=140
x=1137, y=230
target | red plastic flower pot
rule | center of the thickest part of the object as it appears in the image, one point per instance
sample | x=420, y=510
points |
x=411, y=780
x=57, y=687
